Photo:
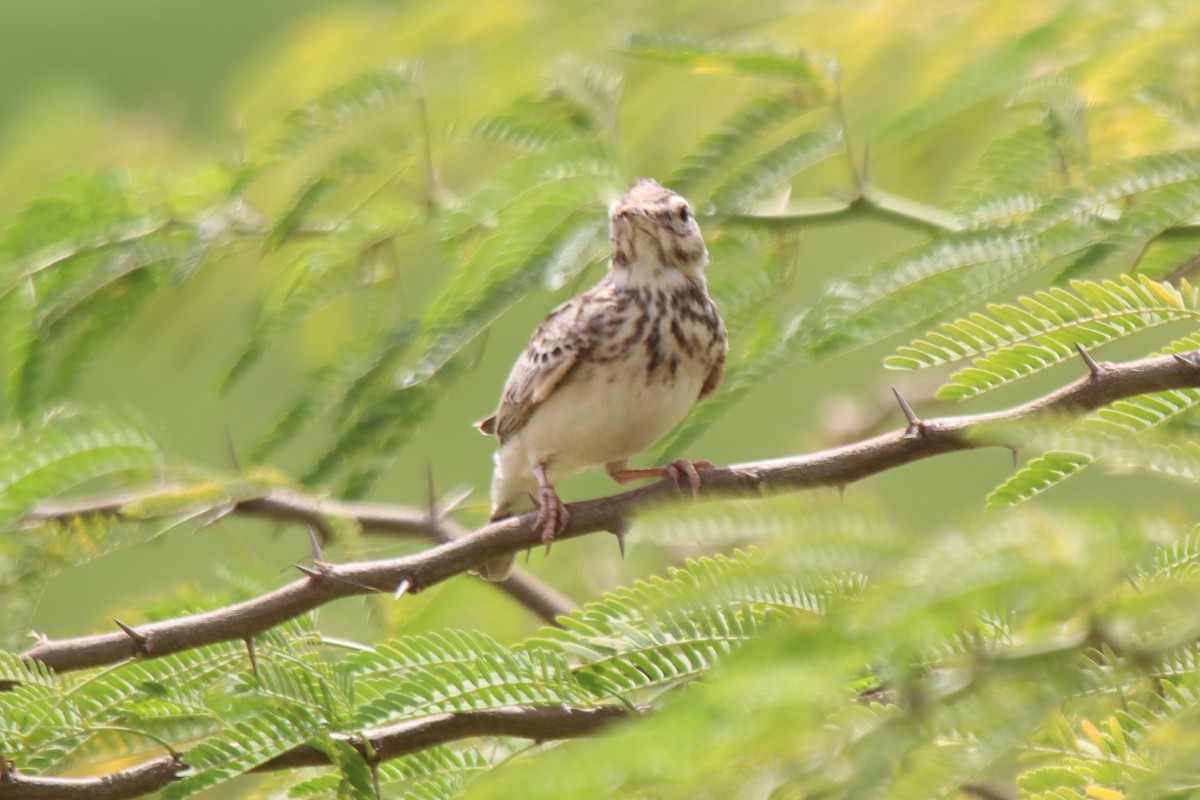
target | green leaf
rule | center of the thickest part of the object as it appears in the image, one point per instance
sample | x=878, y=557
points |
x=701, y=55
x=1010, y=180
x=738, y=131
x=66, y=449
x=592, y=89
x=340, y=107
x=1013, y=341
x=1040, y=474
x=528, y=236
x=986, y=75
x=78, y=262
x=242, y=747
x=447, y=679
x=319, y=275
x=1122, y=420
x=741, y=190
x=918, y=284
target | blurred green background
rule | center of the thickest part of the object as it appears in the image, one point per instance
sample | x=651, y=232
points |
x=145, y=85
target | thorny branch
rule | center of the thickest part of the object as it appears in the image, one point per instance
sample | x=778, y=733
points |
x=523, y=722
x=286, y=505
x=837, y=466
x=1103, y=384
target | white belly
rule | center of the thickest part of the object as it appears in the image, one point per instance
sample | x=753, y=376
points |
x=604, y=416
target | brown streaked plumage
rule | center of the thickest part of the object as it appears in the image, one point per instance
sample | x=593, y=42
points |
x=613, y=370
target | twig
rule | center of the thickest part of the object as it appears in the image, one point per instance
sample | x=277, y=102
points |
x=833, y=467
x=288, y=505
x=523, y=722
x=869, y=200
x=133, y=782
x=542, y=723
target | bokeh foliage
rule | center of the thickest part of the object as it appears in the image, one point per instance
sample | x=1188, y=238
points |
x=405, y=195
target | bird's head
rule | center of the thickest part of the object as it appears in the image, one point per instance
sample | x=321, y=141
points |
x=655, y=236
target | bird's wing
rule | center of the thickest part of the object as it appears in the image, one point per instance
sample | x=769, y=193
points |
x=552, y=353
x=717, y=373
x=714, y=377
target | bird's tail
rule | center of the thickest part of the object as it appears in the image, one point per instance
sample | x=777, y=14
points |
x=508, y=500
x=500, y=567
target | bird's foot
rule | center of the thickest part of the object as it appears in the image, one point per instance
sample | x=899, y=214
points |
x=675, y=472
x=680, y=467
x=552, y=515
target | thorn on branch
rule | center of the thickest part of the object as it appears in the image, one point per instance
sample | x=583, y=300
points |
x=217, y=514
x=374, y=765
x=253, y=658
x=317, y=556
x=431, y=498
x=846, y=463
x=142, y=642
x=454, y=499
x=915, y=426
x=1094, y=369
x=619, y=531
x=234, y=461
x=1014, y=452
x=1189, y=360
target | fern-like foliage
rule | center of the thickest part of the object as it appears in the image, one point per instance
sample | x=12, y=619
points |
x=629, y=646
x=439, y=773
x=766, y=60
x=77, y=263
x=66, y=449
x=985, y=711
x=1106, y=428
x=377, y=235
x=495, y=677
x=998, y=72
x=44, y=458
x=1013, y=341
x=736, y=135
x=347, y=104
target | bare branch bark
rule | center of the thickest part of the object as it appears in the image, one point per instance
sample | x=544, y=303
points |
x=133, y=782
x=287, y=505
x=541, y=723
x=833, y=467
x=522, y=722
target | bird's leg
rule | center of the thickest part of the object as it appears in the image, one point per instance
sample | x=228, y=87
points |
x=674, y=471
x=552, y=514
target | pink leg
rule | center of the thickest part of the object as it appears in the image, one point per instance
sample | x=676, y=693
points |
x=673, y=471
x=552, y=514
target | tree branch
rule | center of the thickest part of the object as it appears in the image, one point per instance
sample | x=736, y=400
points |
x=287, y=505
x=870, y=201
x=833, y=467
x=522, y=722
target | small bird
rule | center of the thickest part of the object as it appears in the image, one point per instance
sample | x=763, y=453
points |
x=613, y=370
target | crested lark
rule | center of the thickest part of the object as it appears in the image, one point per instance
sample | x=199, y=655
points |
x=613, y=370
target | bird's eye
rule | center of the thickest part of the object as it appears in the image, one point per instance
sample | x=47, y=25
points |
x=685, y=214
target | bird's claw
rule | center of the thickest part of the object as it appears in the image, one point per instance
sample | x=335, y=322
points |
x=680, y=467
x=552, y=515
